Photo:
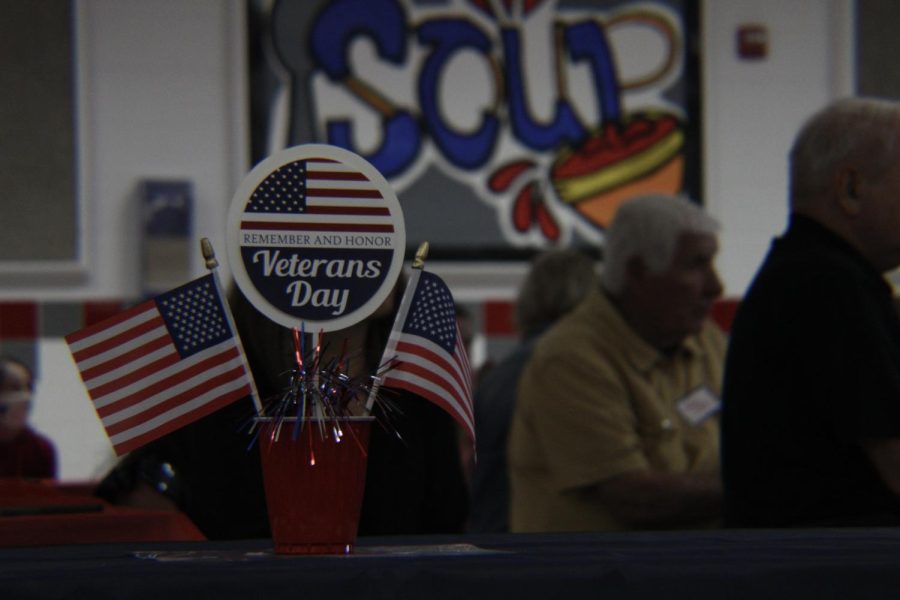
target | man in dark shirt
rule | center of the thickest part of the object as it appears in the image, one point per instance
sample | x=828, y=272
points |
x=811, y=398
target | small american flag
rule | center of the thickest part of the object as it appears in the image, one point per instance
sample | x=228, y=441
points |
x=333, y=197
x=162, y=364
x=425, y=350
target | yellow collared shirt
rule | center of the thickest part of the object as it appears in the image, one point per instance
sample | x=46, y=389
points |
x=596, y=401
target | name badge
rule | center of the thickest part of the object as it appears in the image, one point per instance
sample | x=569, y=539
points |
x=698, y=405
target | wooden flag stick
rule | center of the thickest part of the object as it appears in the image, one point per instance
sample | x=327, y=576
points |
x=388, y=355
x=209, y=255
x=421, y=255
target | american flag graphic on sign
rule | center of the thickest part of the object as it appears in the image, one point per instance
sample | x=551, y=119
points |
x=162, y=364
x=425, y=351
x=333, y=197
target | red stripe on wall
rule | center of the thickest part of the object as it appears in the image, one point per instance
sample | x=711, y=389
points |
x=18, y=320
x=94, y=312
x=498, y=318
x=723, y=312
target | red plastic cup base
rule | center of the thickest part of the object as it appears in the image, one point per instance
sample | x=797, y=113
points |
x=314, y=486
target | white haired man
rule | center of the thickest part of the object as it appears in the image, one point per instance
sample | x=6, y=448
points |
x=811, y=399
x=615, y=425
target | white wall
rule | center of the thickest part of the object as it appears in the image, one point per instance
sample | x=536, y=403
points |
x=753, y=108
x=63, y=411
x=163, y=96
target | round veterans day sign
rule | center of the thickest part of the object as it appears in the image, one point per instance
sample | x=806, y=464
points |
x=315, y=237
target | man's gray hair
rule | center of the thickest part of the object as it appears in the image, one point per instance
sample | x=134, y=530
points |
x=858, y=129
x=556, y=282
x=648, y=227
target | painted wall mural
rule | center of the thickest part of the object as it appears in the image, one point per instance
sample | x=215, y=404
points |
x=504, y=125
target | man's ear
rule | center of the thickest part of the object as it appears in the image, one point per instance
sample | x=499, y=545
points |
x=848, y=183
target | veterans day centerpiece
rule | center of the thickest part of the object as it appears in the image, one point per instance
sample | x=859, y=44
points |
x=316, y=241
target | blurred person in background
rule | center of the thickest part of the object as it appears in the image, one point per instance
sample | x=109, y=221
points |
x=24, y=453
x=556, y=282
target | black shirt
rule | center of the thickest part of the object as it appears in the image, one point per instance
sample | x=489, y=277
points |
x=414, y=479
x=813, y=369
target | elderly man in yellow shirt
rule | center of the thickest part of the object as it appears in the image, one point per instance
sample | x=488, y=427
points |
x=616, y=425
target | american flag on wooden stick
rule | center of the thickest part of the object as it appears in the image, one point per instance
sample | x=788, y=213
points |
x=425, y=353
x=162, y=364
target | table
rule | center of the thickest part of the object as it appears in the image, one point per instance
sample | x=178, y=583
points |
x=847, y=563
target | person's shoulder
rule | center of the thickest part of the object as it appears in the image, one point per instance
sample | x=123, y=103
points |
x=787, y=285
x=559, y=343
x=40, y=442
x=712, y=338
x=572, y=328
x=507, y=368
x=797, y=264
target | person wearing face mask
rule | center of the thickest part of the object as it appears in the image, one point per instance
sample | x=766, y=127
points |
x=24, y=453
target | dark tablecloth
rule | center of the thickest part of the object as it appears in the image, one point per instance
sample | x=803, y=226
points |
x=847, y=563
